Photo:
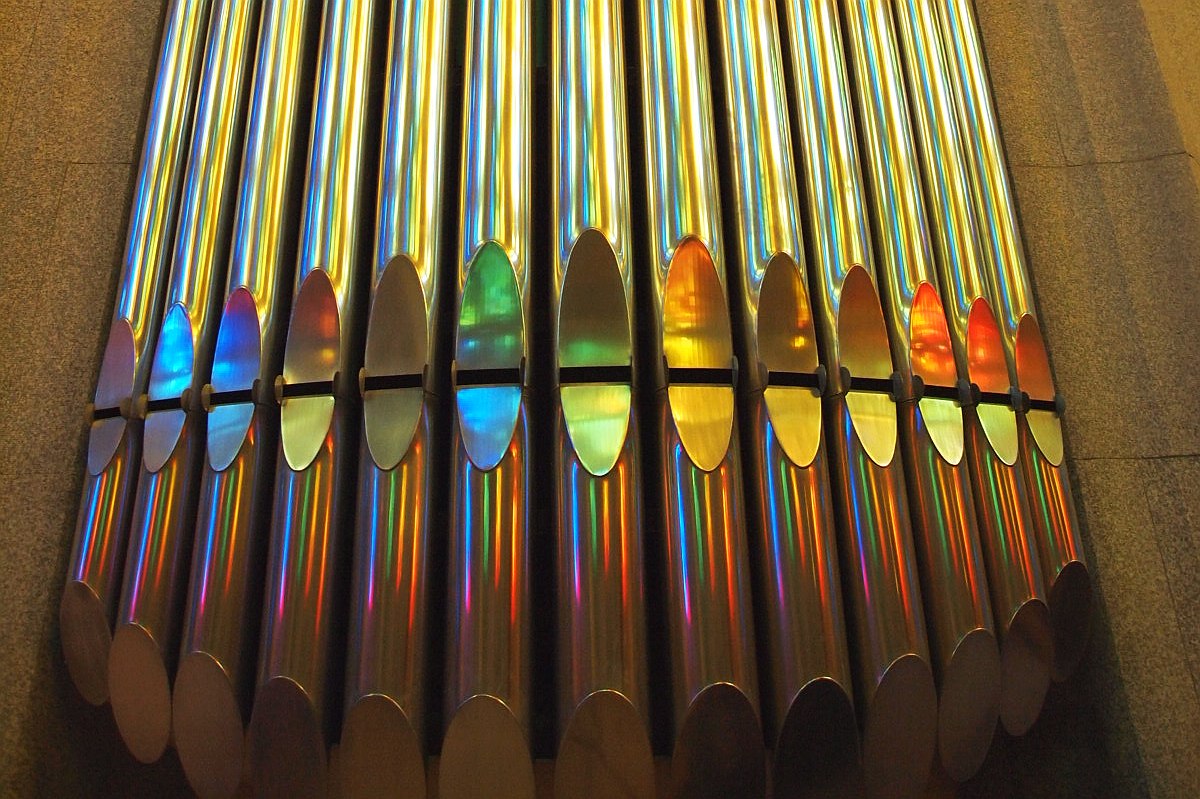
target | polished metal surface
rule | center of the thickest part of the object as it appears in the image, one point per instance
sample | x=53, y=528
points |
x=718, y=741
x=807, y=709
x=115, y=430
x=143, y=657
x=215, y=680
x=603, y=702
x=488, y=671
x=1058, y=535
x=954, y=585
x=895, y=692
x=297, y=702
x=401, y=455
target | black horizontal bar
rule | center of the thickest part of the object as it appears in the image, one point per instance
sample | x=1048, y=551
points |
x=576, y=375
x=386, y=382
x=794, y=380
x=169, y=404
x=873, y=385
x=699, y=375
x=501, y=376
x=233, y=397
x=106, y=413
x=1043, y=405
x=995, y=398
x=312, y=388
x=941, y=392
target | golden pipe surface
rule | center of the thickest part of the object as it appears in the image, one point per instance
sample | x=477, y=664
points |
x=115, y=431
x=808, y=710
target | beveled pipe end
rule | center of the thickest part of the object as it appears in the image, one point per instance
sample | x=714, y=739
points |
x=900, y=734
x=817, y=750
x=286, y=746
x=86, y=640
x=969, y=704
x=719, y=751
x=485, y=753
x=208, y=726
x=381, y=753
x=140, y=692
x=605, y=752
x=1026, y=655
x=1070, y=616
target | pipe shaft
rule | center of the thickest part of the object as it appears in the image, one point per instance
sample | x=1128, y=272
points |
x=604, y=748
x=718, y=741
x=115, y=432
x=215, y=680
x=894, y=685
x=486, y=748
x=297, y=703
x=807, y=705
x=1041, y=439
x=400, y=464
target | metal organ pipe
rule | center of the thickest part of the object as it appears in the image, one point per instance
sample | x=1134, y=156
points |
x=604, y=747
x=400, y=460
x=114, y=449
x=897, y=701
x=809, y=714
x=215, y=682
x=488, y=680
x=718, y=742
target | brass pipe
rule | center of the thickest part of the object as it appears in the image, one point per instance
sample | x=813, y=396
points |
x=604, y=747
x=89, y=601
x=215, y=681
x=808, y=709
x=486, y=748
x=145, y=645
x=297, y=703
x=897, y=701
x=718, y=740
x=1017, y=593
x=1041, y=439
x=954, y=584
x=383, y=740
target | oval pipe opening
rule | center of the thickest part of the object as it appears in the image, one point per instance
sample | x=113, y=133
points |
x=311, y=357
x=236, y=365
x=932, y=358
x=863, y=349
x=696, y=335
x=1034, y=378
x=787, y=343
x=987, y=368
x=113, y=387
x=170, y=375
x=593, y=330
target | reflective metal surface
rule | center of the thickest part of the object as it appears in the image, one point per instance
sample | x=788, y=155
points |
x=894, y=685
x=214, y=683
x=603, y=702
x=488, y=671
x=718, y=742
x=115, y=434
x=402, y=454
x=145, y=643
x=809, y=715
x=297, y=703
x=954, y=585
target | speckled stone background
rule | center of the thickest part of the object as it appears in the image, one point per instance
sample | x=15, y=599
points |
x=1100, y=103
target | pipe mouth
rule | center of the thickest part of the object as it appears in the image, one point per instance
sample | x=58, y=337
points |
x=863, y=349
x=1033, y=376
x=988, y=369
x=86, y=640
x=208, y=726
x=381, y=754
x=397, y=345
x=1070, y=615
x=900, y=735
x=114, y=386
x=969, y=705
x=605, y=751
x=719, y=751
x=485, y=753
x=286, y=747
x=140, y=692
x=310, y=359
x=787, y=344
x=932, y=358
x=817, y=750
x=1026, y=655
x=696, y=335
x=171, y=375
x=236, y=365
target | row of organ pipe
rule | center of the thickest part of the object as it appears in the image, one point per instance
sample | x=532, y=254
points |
x=713, y=421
